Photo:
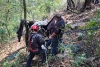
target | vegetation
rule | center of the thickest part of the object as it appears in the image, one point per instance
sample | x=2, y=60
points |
x=91, y=46
x=12, y=13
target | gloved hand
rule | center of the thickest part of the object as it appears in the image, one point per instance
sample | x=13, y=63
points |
x=43, y=47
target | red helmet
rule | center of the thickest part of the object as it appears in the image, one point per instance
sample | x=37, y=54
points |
x=34, y=27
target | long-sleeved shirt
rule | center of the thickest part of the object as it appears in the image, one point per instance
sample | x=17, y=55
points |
x=58, y=26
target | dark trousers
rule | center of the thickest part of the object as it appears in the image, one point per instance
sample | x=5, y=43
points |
x=54, y=45
x=32, y=54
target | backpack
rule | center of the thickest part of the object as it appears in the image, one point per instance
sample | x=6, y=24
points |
x=30, y=40
x=30, y=43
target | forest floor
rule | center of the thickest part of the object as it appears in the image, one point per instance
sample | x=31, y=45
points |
x=14, y=47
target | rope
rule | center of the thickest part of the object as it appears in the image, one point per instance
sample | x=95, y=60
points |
x=85, y=30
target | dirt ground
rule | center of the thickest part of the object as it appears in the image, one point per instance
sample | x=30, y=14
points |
x=11, y=47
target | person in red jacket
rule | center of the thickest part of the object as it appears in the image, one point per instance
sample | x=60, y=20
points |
x=35, y=42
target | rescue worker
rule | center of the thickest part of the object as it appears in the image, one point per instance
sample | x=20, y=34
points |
x=56, y=33
x=35, y=42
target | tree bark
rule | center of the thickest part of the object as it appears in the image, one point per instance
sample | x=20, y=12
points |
x=70, y=4
x=7, y=16
x=24, y=7
x=26, y=24
x=87, y=3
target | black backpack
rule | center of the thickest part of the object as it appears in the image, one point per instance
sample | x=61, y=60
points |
x=30, y=40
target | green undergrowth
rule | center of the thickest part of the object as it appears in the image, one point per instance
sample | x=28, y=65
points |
x=17, y=61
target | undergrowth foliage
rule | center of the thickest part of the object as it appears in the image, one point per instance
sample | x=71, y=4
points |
x=11, y=12
x=16, y=62
x=91, y=45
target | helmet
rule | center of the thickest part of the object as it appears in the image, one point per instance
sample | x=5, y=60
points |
x=34, y=27
x=58, y=16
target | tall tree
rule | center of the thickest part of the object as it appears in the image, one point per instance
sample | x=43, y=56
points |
x=24, y=7
x=26, y=25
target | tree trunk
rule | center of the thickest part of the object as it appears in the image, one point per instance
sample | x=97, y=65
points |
x=26, y=25
x=7, y=16
x=86, y=4
x=70, y=4
x=24, y=7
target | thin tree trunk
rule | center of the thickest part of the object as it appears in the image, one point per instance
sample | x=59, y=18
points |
x=26, y=25
x=24, y=7
x=7, y=13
